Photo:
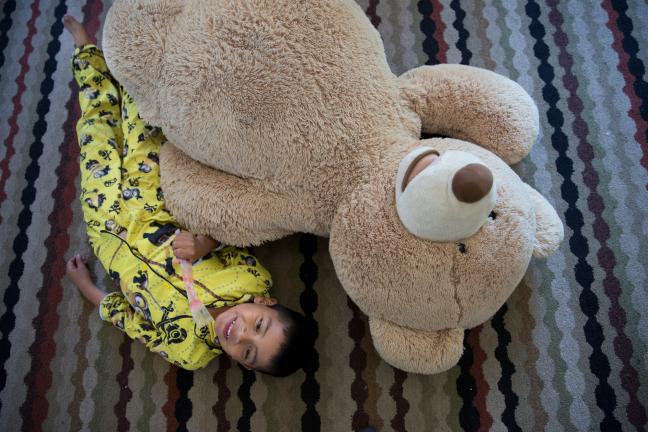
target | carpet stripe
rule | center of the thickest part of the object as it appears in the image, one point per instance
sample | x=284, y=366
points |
x=440, y=389
x=508, y=369
x=389, y=31
x=402, y=405
x=371, y=12
x=310, y=391
x=514, y=46
x=224, y=394
x=439, y=31
x=458, y=24
x=141, y=407
x=10, y=51
x=414, y=418
x=17, y=103
x=12, y=292
x=477, y=372
x=466, y=388
x=411, y=37
x=10, y=73
x=158, y=420
x=5, y=25
x=632, y=69
x=429, y=27
x=522, y=320
x=183, y=405
x=125, y=393
x=448, y=36
x=173, y=393
x=639, y=13
x=605, y=255
x=375, y=383
x=104, y=391
x=599, y=364
x=76, y=377
x=482, y=34
x=358, y=362
x=249, y=408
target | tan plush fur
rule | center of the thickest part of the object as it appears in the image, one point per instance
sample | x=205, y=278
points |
x=284, y=117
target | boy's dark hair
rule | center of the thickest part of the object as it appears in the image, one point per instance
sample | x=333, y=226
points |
x=297, y=344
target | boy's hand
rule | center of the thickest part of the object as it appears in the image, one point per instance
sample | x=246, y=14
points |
x=191, y=247
x=77, y=271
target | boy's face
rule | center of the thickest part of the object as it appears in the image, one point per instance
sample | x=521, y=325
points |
x=251, y=333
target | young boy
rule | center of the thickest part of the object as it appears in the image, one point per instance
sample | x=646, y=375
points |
x=137, y=241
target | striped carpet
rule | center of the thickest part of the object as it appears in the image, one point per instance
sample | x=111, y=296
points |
x=569, y=351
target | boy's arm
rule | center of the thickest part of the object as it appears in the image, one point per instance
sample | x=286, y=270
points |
x=114, y=308
x=78, y=273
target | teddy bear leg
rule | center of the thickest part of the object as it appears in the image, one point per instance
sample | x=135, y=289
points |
x=416, y=351
x=475, y=105
x=227, y=208
x=133, y=42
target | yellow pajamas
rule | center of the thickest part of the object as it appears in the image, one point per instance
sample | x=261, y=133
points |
x=131, y=231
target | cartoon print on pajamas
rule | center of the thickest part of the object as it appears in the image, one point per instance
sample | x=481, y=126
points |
x=131, y=230
x=94, y=199
x=131, y=193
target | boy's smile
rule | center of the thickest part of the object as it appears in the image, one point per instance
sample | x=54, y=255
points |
x=250, y=333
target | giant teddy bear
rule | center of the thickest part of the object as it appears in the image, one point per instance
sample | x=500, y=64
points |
x=283, y=116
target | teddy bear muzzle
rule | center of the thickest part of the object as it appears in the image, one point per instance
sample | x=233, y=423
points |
x=447, y=200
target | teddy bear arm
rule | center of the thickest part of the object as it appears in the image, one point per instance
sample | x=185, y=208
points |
x=475, y=105
x=416, y=351
x=227, y=208
x=549, y=228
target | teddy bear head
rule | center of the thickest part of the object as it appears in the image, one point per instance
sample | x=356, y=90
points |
x=430, y=255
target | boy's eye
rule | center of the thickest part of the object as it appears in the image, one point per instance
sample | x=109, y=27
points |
x=258, y=325
x=247, y=354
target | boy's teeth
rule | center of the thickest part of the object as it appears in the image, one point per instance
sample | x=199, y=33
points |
x=229, y=330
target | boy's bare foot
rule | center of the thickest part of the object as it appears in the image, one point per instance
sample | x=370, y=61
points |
x=77, y=31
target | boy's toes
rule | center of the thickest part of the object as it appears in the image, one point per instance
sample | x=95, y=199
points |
x=77, y=30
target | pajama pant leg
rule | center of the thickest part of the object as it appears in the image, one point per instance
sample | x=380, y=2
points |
x=141, y=175
x=100, y=137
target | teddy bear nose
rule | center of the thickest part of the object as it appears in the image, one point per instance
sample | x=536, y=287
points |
x=472, y=183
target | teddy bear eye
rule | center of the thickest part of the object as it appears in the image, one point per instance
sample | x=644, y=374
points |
x=461, y=247
x=492, y=215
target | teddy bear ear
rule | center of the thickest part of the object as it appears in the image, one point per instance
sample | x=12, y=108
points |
x=416, y=351
x=549, y=228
